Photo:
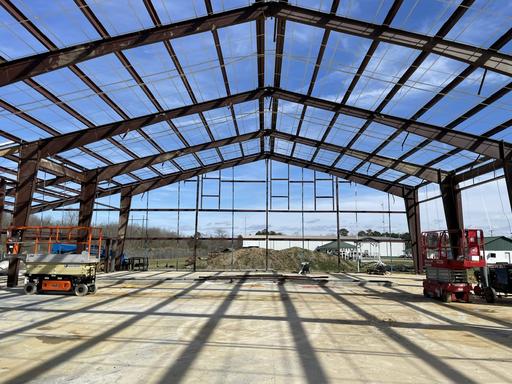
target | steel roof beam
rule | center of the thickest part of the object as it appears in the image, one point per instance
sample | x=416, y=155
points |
x=156, y=182
x=359, y=73
x=279, y=31
x=48, y=44
x=325, y=38
x=369, y=181
x=96, y=23
x=418, y=61
x=26, y=67
x=260, y=49
x=462, y=140
x=64, y=142
x=487, y=58
x=498, y=44
x=106, y=173
x=153, y=14
x=423, y=172
x=222, y=64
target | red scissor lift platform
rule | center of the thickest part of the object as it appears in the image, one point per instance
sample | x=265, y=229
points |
x=447, y=256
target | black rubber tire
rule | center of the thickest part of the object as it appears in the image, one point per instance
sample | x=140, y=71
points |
x=93, y=289
x=446, y=297
x=490, y=295
x=81, y=289
x=30, y=289
x=425, y=293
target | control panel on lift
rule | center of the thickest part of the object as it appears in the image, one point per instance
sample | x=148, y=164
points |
x=453, y=249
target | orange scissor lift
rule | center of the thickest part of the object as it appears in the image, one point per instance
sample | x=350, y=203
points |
x=57, y=258
x=448, y=256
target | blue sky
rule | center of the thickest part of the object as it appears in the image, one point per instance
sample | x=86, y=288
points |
x=65, y=25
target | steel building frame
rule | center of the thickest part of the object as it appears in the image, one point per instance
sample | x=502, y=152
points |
x=46, y=153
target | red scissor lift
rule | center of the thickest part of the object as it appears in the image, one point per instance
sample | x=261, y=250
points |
x=447, y=256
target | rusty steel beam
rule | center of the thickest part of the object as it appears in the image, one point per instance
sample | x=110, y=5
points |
x=260, y=49
x=107, y=173
x=452, y=203
x=222, y=64
x=86, y=206
x=378, y=184
x=172, y=54
x=64, y=142
x=27, y=178
x=156, y=182
x=48, y=44
x=491, y=132
x=359, y=73
x=60, y=170
x=86, y=199
x=280, y=30
x=487, y=58
x=2, y=200
x=23, y=68
x=320, y=56
x=95, y=22
x=497, y=45
x=26, y=67
x=462, y=140
x=426, y=173
x=412, y=208
x=418, y=61
x=122, y=229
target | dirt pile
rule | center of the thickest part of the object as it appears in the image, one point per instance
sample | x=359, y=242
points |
x=283, y=260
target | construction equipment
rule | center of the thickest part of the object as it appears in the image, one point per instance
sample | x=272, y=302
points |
x=448, y=257
x=494, y=281
x=57, y=259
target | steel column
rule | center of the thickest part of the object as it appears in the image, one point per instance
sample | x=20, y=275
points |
x=124, y=216
x=412, y=208
x=338, y=242
x=452, y=203
x=86, y=199
x=27, y=179
x=196, y=223
x=507, y=172
x=2, y=200
x=266, y=215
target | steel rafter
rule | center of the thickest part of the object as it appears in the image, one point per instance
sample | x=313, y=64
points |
x=424, y=172
x=23, y=68
x=220, y=56
x=156, y=182
x=64, y=142
x=47, y=43
x=462, y=140
x=170, y=50
x=325, y=38
x=101, y=30
x=504, y=39
x=369, y=181
x=107, y=173
x=279, y=34
x=260, y=49
x=418, y=61
x=359, y=73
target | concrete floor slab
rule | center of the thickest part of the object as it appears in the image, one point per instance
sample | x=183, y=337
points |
x=166, y=327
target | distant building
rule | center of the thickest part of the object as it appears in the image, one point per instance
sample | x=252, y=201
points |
x=498, y=249
x=372, y=247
